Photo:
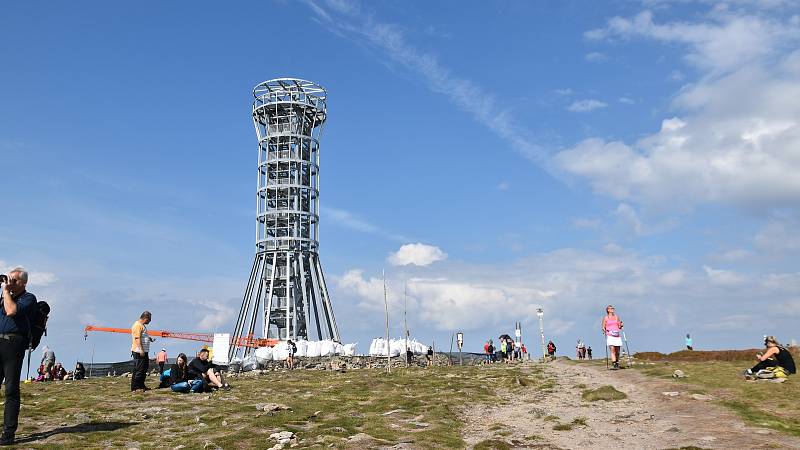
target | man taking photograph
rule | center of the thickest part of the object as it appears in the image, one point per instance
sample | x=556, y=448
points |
x=14, y=337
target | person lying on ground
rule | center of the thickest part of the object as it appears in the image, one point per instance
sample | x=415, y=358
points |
x=202, y=369
x=179, y=377
x=776, y=355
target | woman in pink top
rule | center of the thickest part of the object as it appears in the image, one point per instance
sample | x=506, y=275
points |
x=612, y=328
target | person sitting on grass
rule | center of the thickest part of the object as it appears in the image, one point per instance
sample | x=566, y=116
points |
x=59, y=373
x=202, y=369
x=775, y=356
x=80, y=371
x=179, y=377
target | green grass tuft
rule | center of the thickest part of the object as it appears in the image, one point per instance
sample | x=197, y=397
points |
x=605, y=393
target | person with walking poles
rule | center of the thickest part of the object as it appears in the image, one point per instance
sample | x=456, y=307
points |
x=612, y=330
x=48, y=361
x=140, y=345
x=161, y=359
x=18, y=305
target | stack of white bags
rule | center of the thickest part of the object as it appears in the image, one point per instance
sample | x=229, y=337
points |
x=396, y=347
x=310, y=349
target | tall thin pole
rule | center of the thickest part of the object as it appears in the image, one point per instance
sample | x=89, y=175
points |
x=386, y=305
x=91, y=366
x=540, y=313
x=405, y=316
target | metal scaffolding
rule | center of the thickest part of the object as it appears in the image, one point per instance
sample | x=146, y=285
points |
x=286, y=289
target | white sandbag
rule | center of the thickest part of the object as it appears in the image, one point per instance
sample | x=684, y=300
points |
x=312, y=349
x=378, y=347
x=397, y=346
x=338, y=348
x=281, y=351
x=302, y=349
x=263, y=355
x=250, y=363
x=349, y=349
x=327, y=348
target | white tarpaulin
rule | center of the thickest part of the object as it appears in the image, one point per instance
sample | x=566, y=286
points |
x=263, y=355
x=396, y=346
x=222, y=343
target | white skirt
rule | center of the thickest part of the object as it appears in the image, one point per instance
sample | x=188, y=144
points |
x=615, y=341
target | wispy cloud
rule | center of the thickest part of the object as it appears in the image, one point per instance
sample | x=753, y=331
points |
x=586, y=105
x=347, y=19
x=349, y=220
x=595, y=57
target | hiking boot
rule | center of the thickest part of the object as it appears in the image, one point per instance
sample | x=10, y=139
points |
x=616, y=365
x=7, y=439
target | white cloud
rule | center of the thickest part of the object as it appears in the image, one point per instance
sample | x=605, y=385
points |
x=417, y=254
x=779, y=236
x=566, y=91
x=349, y=220
x=626, y=214
x=596, y=57
x=503, y=186
x=676, y=75
x=586, y=105
x=35, y=278
x=626, y=100
x=672, y=278
x=736, y=138
x=722, y=277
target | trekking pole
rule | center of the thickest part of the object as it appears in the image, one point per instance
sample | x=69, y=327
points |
x=606, y=347
x=28, y=376
x=627, y=349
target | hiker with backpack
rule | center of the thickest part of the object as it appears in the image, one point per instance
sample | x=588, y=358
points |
x=776, y=359
x=15, y=336
x=612, y=330
x=551, y=349
x=48, y=361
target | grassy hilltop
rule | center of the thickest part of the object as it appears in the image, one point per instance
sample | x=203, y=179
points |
x=359, y=408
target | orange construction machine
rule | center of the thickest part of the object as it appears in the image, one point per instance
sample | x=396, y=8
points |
x=244, y=341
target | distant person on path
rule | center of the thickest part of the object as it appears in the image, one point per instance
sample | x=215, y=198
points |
x=491, y=351
x=161, y=359
x=775, y=356
x=518, y=350
x=204, y=370
x=688, y=342
x=429, y=356
x=140, y=345
x=612, y=330
x=292, y=347
x=409, y=356
x=487, y=356
x=503, y=349
x=551, y=349
x=589, y=351
x=15, y=317
x=523, y=351
x=48, y=361
x=581, y=349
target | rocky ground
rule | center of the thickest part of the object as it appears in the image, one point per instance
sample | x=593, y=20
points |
x=657, y=414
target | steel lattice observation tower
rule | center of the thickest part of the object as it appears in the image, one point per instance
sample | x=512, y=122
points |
x=286, y=296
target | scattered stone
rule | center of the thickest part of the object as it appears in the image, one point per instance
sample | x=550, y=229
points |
x=283, y=438
x=394, y=411
x=271, y=407
x=763, y=431
x=679, y=374
x=672, y=430
x=671, y=393
x=702, y=397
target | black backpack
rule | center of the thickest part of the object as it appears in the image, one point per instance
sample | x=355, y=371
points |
x=38, y=320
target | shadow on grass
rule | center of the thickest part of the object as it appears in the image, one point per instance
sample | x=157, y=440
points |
x=87, y=427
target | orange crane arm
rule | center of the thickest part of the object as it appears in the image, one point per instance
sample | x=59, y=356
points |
x=244, y=341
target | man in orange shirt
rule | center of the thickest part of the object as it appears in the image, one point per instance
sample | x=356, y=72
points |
x=139, y=346
x=161, y=359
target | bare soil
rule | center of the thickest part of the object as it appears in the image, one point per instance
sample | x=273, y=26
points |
x=646, y=419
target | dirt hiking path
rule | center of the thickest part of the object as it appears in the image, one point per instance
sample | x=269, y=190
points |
x=647, y=419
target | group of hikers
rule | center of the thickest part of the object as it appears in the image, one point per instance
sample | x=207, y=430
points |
x=509, y=350
x=51, y=370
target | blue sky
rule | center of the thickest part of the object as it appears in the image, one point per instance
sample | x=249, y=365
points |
x=495, y=158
